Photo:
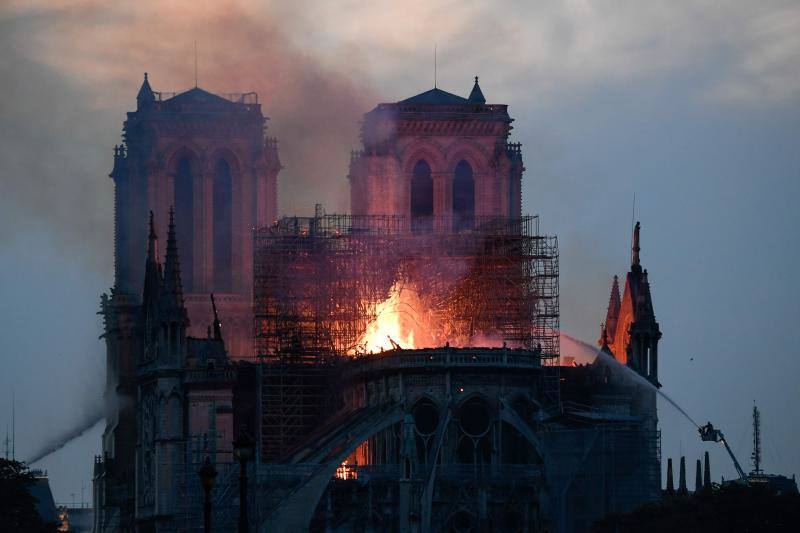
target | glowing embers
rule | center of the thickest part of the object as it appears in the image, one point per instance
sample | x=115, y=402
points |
x=346, y=471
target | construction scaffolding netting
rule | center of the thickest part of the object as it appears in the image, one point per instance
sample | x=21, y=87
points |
x=319, y=283
x=332, y=286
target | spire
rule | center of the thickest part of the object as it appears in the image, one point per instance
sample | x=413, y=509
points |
x=146, y=95
x=682, y=478
x=476, y=96
x=756, y=455
x=603, y=342
x=635, y=248
x=152, y=273
x=612, y=313
x=670, y=483
x=217, y=323
x=603, y=336
x=173, y=291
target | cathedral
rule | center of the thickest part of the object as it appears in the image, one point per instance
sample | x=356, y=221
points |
x=395, y=368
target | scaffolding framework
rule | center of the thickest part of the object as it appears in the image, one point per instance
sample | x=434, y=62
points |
x=318, y=282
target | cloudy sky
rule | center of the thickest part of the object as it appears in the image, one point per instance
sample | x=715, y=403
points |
x=692, y=106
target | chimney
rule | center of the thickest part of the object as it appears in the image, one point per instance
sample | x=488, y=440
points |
x=682, y=479
x=670, y=484
x=698, y=478
x=707, y=474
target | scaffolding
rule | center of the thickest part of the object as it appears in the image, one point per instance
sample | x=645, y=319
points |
x=319, y=280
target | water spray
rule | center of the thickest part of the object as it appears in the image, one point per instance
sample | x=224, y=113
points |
x=631, y=373
x=62, y=441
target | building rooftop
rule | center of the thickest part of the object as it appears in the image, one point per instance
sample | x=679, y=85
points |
x=434, y=96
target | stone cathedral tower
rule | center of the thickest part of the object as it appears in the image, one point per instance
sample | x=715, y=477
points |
x=437, y=157
x=208, y=156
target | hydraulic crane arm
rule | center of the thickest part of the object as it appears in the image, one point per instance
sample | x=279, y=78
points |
x=708, y=433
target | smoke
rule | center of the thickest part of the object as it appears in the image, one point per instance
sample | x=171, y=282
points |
x=314, y=104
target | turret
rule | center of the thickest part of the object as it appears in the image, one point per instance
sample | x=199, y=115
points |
x=146, y=97
x=152, y=272
x=670, y=483
x=612, y=313
x=682, y=490
x=698, y=477
x=476, y=96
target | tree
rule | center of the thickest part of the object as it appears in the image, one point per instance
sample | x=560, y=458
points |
x=730, y=508
x=17, y=505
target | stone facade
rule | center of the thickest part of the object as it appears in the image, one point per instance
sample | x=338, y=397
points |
x=208, y=157
x=433, y=439
x=179, y=393
x=437, y=155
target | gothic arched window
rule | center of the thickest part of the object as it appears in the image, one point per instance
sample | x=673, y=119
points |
x=421, y=196
x=184, y=220
x=222, y=226
x=463, y=196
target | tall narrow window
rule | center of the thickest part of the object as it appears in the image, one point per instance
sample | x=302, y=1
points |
x=463, y=197
x=222, y=227
x=421, y=197
x=184, y=221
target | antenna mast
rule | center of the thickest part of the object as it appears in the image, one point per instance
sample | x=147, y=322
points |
x=195, y=64
x=756, y=456
x=13, y=427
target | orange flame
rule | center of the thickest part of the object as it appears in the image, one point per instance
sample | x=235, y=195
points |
x=406, y=320
x=400, y=320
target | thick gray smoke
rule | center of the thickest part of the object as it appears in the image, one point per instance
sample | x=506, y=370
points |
x=69, y=75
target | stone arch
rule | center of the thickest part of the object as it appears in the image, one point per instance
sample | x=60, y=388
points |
x=225, y=171
x=423, y=422
x=472, y=154
x=509, y=415
x=189, y=151
x=174, y=410
x=186, y=171
x=294, y=513
x=421, y=195
x=229, y=155
x=463, y=203
x=428, y=150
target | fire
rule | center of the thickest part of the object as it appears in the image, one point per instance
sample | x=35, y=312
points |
x=402, y=319
x=407, y=320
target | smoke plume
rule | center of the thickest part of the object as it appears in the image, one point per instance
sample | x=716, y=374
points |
x=97, y=53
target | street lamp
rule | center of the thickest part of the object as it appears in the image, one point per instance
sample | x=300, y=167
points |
x=243, y=450
x=207, y=474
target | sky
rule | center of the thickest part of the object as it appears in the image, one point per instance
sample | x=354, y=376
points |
x=692, y=106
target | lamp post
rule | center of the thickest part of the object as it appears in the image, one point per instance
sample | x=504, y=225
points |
x=207, y=474
x=243, y=450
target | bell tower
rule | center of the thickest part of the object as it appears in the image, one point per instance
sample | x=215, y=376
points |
x=438, y=158
x=208, y=156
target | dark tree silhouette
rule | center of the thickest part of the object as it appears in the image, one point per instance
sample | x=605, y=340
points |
x=729, y=509
x=17, y=504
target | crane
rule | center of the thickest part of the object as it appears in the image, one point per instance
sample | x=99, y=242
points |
x=708, y=433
